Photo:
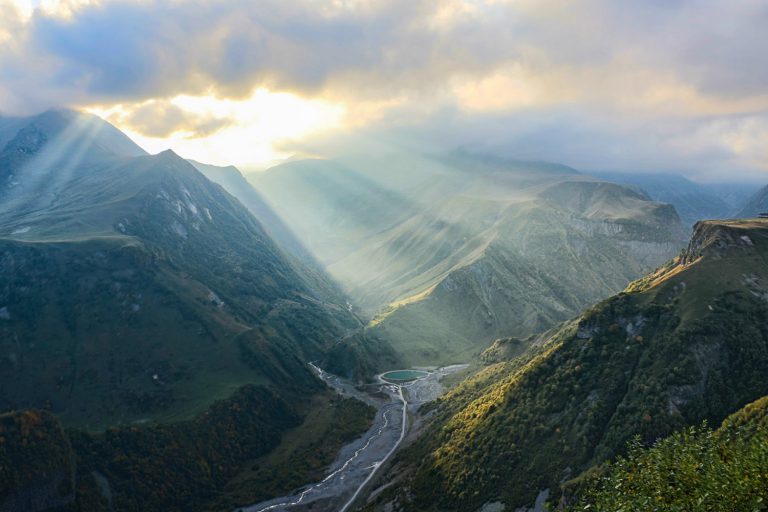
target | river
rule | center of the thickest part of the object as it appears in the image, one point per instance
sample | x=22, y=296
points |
x=358, y=462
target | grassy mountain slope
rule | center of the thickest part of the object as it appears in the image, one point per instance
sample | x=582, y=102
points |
x=695, y=469
x=148, y=251
x=450, y=254
x=687, y=343
x=756, y=204
x=331, y=208
x=235, y=183
x=308, y=268
x=135, y=294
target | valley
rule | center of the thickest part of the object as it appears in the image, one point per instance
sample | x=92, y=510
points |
x=484, y=332
x=383, y=256
x=358, y=462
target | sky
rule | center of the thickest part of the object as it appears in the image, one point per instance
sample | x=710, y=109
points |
x=609, y=85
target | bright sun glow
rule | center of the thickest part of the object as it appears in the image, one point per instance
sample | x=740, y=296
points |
x=254, y=131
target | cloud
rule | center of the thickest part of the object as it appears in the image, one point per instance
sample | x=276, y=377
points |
x=712, y=148
x=163, y=118
x=601, y=77
x=136, y=50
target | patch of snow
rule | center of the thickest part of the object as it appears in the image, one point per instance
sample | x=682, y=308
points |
x=192, y=208
x=121, y=227
x=21, y=230
x=585, y=332
x=4, y=313
x=635, y=326
x=208, y=213
x=215, y=299
x=179, y=229
x=746, y=240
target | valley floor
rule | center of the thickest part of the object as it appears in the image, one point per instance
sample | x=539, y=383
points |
x=358, y=462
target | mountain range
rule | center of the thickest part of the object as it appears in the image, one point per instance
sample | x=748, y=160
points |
x=757, y=204
x=153, y=284
x=686, y=343
x=445, y=254
x=157, y=318
x=693, y=201
x=139, y=298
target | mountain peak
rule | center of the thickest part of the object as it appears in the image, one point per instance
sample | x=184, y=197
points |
x=168, y=153
x=68, y=131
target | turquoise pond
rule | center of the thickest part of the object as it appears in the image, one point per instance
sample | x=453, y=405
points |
x=404, y=375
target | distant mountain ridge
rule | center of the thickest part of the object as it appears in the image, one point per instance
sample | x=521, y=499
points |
x=235, y=183
x=693, y=201
x=446, y=254
x=756, y=204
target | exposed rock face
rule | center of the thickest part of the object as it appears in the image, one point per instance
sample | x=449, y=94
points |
x=718, y=239
x=544, y=262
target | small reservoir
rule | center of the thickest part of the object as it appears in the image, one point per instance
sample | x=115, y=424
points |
x=399, y=376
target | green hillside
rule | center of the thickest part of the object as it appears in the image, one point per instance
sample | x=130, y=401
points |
x=685, y=344
x=154, y=316
x=149, y=295
x=235, y=183
x=218, y=460
x=695, y=469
